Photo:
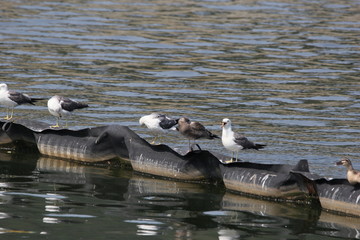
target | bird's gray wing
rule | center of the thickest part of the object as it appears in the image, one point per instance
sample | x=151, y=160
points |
x=196, y=126
x=166, y=122
x=243, y=141
x=201, y=132
x=20, y=98
x=70, y=105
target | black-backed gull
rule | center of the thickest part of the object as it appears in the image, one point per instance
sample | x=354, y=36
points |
x=235, y=142
x=60, y=107
x=158, y=123
x=11, y=99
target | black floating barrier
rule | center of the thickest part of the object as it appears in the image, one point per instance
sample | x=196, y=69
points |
x=163, y=161
x=272, y=181
x=336, y=195
x=86, y=145
x=339, y=195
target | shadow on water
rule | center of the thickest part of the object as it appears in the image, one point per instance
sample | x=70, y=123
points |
x=43, y=195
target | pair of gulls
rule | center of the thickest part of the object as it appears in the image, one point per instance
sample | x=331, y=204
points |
x=231, y=140
x=58, y=106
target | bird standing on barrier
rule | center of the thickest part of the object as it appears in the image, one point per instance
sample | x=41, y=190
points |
x=11, y=99
x=158, y=123
x=60, y=107
x=235, y=142
x=194, y=130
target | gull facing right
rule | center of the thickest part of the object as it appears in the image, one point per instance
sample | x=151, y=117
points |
x=235, y=142
x=59, y=107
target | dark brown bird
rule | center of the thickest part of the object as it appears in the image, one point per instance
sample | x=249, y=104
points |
x=353, y=176
x=193, y=130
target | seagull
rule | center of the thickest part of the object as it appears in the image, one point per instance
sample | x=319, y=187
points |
x=193, y=130
x=158, y=123
x=59, y=107
x=235, y=142
x=11, y=99
x=353, y=176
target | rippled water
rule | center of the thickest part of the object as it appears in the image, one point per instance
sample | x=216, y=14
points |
x=285, y=72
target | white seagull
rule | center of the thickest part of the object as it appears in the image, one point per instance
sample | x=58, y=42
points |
x=158, y=123
x=235, y=142
x=11, y=99
x=59, y=107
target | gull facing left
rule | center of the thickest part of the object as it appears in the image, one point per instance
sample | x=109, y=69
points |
x=235, y=142
x=352, y=175
x=158, y=123
x=11, y=99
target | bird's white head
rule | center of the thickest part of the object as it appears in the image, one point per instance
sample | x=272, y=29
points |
x=226, y=123
x=3, y=87
x=142, y=120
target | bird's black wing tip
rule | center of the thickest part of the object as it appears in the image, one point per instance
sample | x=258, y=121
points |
x=215, y=136
x=259, y=146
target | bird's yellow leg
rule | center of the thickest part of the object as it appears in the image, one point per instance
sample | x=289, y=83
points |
x=7, y=114
x=157, y=138
x=12, y=113
x=57, y=124
x=153, y=141
x=232, y=157
x=237, y=156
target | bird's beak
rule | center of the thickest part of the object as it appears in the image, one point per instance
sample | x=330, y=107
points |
x=223, y=124
x=177, y=120
x=338, y=163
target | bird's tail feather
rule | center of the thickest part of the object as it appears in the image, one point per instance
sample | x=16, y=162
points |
x=33, y=100
x=81, y=105
x=259, y=146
